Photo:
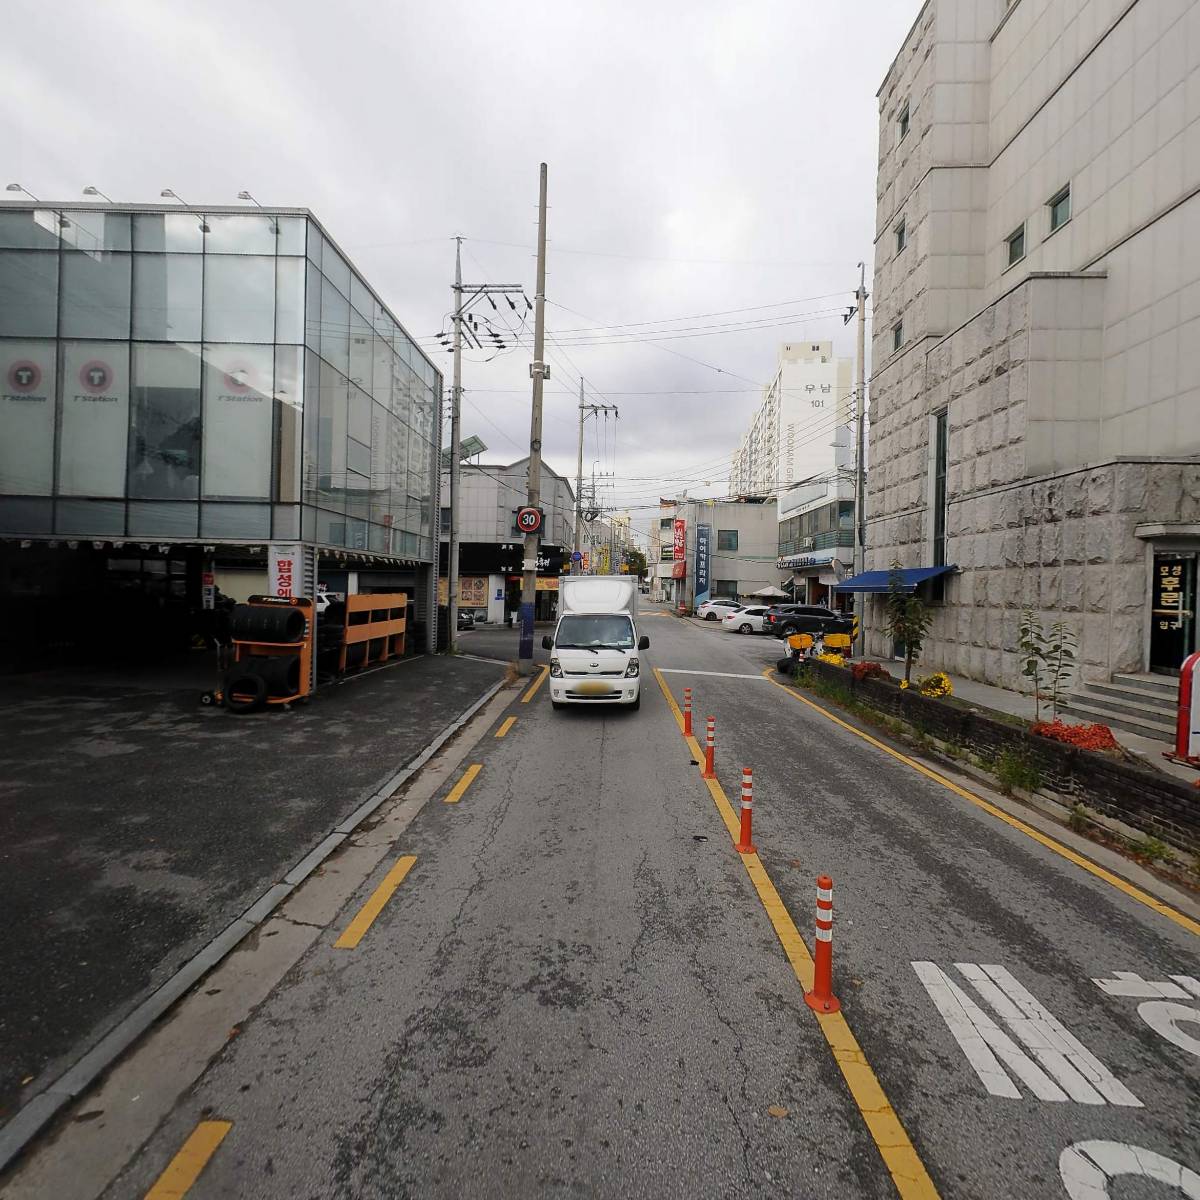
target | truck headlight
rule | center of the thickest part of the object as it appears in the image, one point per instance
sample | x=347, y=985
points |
x=632, y=669
x=555, y=669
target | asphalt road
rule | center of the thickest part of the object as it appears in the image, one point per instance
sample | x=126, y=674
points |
x=577, y=990
x=135, y=824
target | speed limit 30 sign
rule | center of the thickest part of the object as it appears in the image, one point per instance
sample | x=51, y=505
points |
x=529, y=520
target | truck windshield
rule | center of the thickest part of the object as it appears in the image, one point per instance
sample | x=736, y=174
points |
x=594, y=632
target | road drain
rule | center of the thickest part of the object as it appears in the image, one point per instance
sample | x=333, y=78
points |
x=699, y=837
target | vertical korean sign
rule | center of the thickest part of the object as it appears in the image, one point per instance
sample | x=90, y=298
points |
x=679, y=566
x=283, y=565
x=703, y=561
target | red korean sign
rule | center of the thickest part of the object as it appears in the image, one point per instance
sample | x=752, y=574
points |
x=680, y=541
x=282, y=566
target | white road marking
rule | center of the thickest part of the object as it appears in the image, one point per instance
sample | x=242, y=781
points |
x=1192, y=985
x=1064, y=1069
x=1126, y=983
x=1079, y=1072
x=978, y=1036
x=1164, y=1017
x=1087, y=1167
x=714, y=674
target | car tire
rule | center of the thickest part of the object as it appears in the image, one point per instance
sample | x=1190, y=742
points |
x=636, y=704
x=241, y=680
x=557, y=705
x=710, y=616
x=745, y=628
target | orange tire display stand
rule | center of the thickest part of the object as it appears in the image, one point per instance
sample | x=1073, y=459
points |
x=244, y=649
x=377, y=623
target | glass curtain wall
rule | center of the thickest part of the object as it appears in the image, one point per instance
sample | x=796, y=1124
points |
x=223, y=376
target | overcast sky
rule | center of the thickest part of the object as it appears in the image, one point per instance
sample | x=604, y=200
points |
x=703, y=158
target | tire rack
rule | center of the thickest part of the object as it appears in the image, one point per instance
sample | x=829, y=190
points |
x=374, y=619
x=304, y=647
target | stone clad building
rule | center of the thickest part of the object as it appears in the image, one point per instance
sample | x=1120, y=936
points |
x=1035, y=394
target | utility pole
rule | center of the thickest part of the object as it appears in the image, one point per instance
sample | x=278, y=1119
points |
x=455, y=455
x=585, y=411
x=461, y=306
x=538, y=371
x=860, y=516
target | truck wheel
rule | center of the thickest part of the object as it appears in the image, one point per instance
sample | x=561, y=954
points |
x=557, y=705
x=636, y=704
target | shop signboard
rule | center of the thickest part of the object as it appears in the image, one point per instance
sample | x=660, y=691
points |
x=547, y=584
x=283, y=566
x=680, y=540
x=703, y=561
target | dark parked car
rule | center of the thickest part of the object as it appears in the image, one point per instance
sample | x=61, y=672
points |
x=466, y=619
x=786, y=619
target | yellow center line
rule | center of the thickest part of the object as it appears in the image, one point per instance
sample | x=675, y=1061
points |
x=897, y=1151
x=1070, y=855
x=184, y=1169
x=365, y=917
x=459, y=789
x=537, y=683
x=506, y=725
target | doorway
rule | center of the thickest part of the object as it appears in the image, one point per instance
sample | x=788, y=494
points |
x=1173, y=611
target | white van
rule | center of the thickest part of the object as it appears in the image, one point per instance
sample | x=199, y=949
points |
x=594, y=650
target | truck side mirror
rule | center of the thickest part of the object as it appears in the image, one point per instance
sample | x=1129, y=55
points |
x=547, y=642
x=643, y=642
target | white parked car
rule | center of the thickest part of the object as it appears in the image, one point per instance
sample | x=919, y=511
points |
x=715, y=610
x=745, y=620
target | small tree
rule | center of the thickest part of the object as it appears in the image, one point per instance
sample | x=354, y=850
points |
x=1060, y=659
x=1032, y=641
x=908, y=621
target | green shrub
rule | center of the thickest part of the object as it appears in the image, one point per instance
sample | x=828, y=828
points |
x=1152, y=850
x=1078, y=820
x=1014, y=770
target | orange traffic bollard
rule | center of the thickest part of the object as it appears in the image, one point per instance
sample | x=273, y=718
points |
x=746, y=842
x=821, y=997
x=710, y=742
x=687, y=712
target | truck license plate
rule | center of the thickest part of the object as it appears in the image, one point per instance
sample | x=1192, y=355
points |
x=593, y=689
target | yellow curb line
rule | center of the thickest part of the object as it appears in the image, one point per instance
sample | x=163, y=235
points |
x=460, y=788
x=184, y=1169
x=365, y=917
x=899, y=1156
x=1092, y=868
x=537, y=683
x=507, y=724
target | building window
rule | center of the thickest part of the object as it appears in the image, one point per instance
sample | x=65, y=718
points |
x=902, y=123
x=727, y=539
x=901, y=236
x=666, y=523
x=445, y=520
x=668, y=554
x=940, y=448
x=725, y=587
x=1016, y=245
x=897, y=335
x=1060, y=208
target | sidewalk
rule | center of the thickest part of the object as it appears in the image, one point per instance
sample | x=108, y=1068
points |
x=1018, y=704
x=138, y=824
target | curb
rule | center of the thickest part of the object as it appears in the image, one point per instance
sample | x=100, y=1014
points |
x=29, y=1120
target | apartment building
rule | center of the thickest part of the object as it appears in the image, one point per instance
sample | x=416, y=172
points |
x=1036, y=344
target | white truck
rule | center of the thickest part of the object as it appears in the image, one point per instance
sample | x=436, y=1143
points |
x=594, y=650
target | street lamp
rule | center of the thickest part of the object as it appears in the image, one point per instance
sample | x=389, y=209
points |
x=247, y=196
x=16, y=187
x=167, y=194
x=95, y=191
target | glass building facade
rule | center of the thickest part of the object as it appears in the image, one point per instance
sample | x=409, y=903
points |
x=223, y=376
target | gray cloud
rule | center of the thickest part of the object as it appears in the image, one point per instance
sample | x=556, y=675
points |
x=713, y=156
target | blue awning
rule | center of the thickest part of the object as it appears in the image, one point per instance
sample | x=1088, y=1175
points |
x=880, y=581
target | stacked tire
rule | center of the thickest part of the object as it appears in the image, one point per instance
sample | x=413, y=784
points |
x=256, y=678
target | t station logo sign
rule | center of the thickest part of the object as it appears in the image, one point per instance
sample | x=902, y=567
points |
x=23, y=378
x=96, y=379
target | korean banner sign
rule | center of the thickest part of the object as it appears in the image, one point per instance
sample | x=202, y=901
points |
x=703, y=555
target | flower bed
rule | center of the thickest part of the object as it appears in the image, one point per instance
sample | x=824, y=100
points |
x=1086, y=737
